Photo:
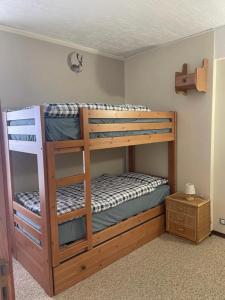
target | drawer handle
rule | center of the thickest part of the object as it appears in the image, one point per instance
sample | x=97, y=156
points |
x=180, y=208
x=83, y=268
x=180, y=229
x=180, y=218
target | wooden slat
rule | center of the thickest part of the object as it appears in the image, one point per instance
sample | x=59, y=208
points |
x=68, y=150
x=71, y=215
x=27, y=213
x=70, y=180
x=28, y=129
x=128, y=126
x=35, y=233
x=22, y=114
x=82, y=266
x=103, y=143
x=128, y=114
x=23, y=146
x=128, y=224
x=70, y=251
x=66, y=144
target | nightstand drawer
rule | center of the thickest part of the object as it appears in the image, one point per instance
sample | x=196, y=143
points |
x=181, y=208
x=181, y=230
x=182, y=219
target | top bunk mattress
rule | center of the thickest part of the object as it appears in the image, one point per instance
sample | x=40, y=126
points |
x=62, y=122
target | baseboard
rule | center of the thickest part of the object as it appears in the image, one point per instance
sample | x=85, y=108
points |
x=220, y=234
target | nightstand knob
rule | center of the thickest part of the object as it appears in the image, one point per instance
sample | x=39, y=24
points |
x=180, y=218
x=181, y=229
x=83, y=267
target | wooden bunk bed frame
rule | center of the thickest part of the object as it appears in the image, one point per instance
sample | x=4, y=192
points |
x=58, y=267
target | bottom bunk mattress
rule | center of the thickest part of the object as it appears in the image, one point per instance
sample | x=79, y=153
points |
x=135, y=193
x=75, y=229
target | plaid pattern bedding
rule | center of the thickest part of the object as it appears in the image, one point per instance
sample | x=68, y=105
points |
x=72, y=109
x=143, y=178
x=107, y=191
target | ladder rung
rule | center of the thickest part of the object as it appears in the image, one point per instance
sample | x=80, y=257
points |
x=70, y=146
x=70, y=180
x=70, y=250
x=71, y=215
x=68, y=150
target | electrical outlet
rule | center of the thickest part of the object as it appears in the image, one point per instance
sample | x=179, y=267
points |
x=222, y=221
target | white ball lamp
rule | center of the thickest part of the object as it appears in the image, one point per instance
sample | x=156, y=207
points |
x=190, y=191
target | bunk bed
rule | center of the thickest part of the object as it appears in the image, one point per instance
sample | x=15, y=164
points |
x=112, y=215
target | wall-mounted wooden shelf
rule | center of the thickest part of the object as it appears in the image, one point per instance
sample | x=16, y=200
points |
x=195, y=81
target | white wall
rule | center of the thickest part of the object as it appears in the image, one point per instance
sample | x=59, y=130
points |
x=34, y=72
x=149, y=79
x=218, y=172
x=218, y=145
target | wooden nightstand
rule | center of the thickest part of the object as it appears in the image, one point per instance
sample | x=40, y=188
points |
x=189, y=219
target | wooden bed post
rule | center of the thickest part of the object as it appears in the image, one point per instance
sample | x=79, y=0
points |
x=10, y=182
x=44, y=200
x=172, y=159
x=84, y=125
x=6, y=238
x=52, y=203
x=131, y=158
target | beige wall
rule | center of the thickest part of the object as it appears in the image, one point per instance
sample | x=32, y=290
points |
x=34, y=72
x=149, y=79
x=219, y=43
x=218, y=172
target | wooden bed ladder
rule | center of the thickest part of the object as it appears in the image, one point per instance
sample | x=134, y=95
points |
x=43, y=272
x=61, y=253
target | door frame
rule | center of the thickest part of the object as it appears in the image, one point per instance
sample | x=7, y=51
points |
x=7, y=291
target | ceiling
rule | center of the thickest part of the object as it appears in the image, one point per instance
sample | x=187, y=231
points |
x=117, y=27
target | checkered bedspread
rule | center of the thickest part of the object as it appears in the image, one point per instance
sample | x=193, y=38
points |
x=107, y=191
x=72, y=109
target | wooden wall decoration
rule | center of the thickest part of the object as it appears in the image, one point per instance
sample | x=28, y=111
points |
x=194, y=81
